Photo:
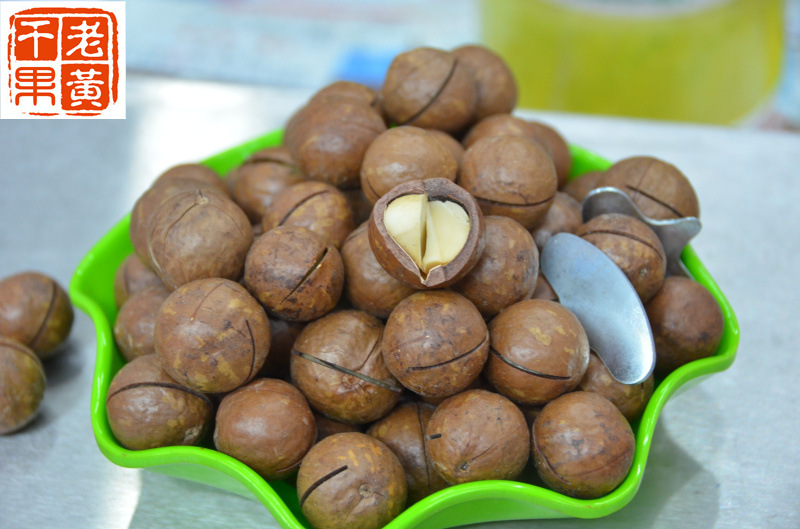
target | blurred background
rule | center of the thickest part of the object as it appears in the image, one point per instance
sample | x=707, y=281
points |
x=729, y=62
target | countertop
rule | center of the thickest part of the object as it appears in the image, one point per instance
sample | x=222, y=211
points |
x=724, y=453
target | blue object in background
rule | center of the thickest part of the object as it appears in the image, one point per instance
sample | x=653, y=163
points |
x=365, y=66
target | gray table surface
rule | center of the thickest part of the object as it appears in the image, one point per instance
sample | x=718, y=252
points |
x=725, y=453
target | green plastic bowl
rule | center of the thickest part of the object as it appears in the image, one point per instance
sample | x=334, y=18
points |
x=91, y=289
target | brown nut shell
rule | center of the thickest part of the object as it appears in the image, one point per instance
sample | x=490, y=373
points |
x=429, y=88
x=494, y=81
x=499, y=125
x=294, y=273
x=435, y=343
x=556, y=145
x=327, y=427
x=478, y=435
x=22, y=385
x=659, y=189
x=633, y=246
x=687, y=323
x=450, y=143
x=579, y=187
x=131, y=277
x=564, y=217
x=511, y=176
x=351, y=480
x=367, y=285
x=582, y=445
x=147, y=409
x=507, y=270
x=348, y=90
x=403, y=431
x=402, y=154
x=630, y=399
x=211, y=335
x=282, y=336
x=399, y=264
x=318, y=206
x=136, y=321
x=539, y=351
x=194, y=172
x=337, y=364
x=267, y=425
x=36, y=312
x=198, y=235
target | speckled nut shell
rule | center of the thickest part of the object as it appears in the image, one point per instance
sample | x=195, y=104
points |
x=351, y=480
x=211, y=335
x=198, y=235
x=510, y=176
x=255, y=184
x=318, y=206
x=403, y=431
x=630, y=399
x=564, y=217
x=507, y=270
x=136, y=321
x=194, y=172
x=659, y=189
x=267, y=425
x=337, y=364
x=582, y=445
x=499, y=125
x=36, y=312
x=554, y=144
x=294, y=273
x=401, y=154
x=435, y=343
x=539, y=350
x=478, y=435
x=328, y=140
x=367, y=285
x=450, y=143
x=633, y=246
x=399, y=264
x=22, y=385
x=148, y=409
x=687, y=323
x=494, y=81
x=131, y=277
x=579, y=187
x=429, y=88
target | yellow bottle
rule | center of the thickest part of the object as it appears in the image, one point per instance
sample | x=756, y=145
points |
x=711, y=61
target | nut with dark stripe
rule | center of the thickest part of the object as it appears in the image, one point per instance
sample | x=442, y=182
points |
x=35, y=311
x=212, y=335
x=337, y=364
x=435, y=343
x=351, y=480
x=633, y=246
x=294, y=273
x=539, y=351
x=148, y=409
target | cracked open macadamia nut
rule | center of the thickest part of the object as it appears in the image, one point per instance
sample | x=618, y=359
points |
x=367, y=285
x=427, y=233
x=294, y=273
x=435, y=343
x=22, y=385
x=403, y=431
x=429, y=88
x=582, y=445
x=539, y=351
x=478, y=435
x=511, y=176
x=317, y=206
x=211, y=335
x=659, y=189
x=36, y=312
x=351, y=480
x=146, y=408
x=402, y=154
x=267, y=425
x=198, y=235
x=337, y=364
x=507, y=270
x=633, y=246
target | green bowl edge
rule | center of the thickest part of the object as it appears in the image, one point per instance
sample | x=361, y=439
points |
x=467, y=497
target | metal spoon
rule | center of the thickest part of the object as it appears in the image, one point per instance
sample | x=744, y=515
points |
x=675, y=234
x=593, y=287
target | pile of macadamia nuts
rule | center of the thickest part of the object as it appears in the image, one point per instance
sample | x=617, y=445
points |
x=362, y=307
